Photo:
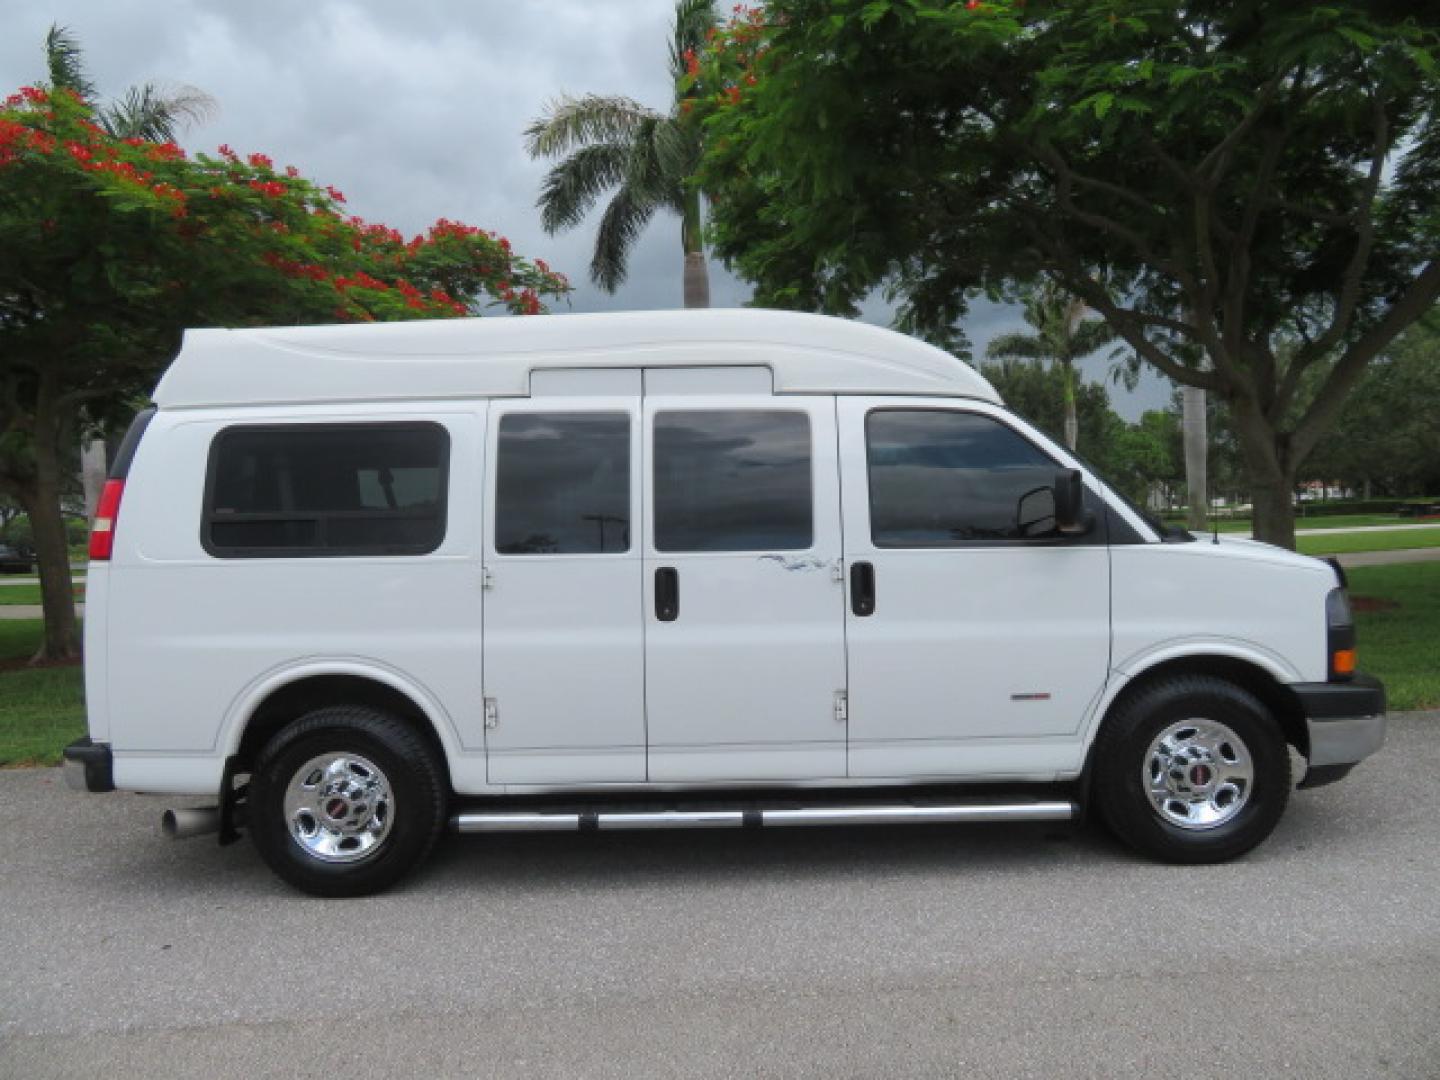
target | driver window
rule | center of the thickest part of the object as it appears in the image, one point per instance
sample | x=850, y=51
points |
x=941, y=478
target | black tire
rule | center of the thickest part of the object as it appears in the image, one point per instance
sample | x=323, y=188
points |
x=1123, y=761
x=413, y=813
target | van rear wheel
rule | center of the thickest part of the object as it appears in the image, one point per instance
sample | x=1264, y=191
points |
x=1191, y=769
x=346, y=801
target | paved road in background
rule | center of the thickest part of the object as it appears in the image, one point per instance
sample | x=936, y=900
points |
x=918, y=951
x=1389, y=558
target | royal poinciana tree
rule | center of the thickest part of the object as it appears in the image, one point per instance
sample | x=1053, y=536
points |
x=109, y=247
x=1249, y=194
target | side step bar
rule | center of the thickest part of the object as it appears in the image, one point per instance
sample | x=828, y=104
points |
x=518, y=821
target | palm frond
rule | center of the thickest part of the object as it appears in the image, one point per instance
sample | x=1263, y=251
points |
x=66, y=63
x=1019, y=347
x=645, y=172
x=573, y=122
x=155, y=113
x=620, y=225
x=572, y=186
x=677, y=151
x=1090, y=336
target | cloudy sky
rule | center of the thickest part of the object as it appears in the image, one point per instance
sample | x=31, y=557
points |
x=414, y=110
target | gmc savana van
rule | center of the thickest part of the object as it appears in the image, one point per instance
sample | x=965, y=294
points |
x=675, y=569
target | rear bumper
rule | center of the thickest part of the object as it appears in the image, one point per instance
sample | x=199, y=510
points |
x=1346, y=723
x=89, y=766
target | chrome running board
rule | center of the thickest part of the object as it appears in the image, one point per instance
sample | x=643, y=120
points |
x=542, y=821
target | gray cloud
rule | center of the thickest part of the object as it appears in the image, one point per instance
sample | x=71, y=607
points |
x=415, y=111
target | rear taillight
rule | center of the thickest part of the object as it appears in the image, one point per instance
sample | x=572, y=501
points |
x=102, y=530
x=1340, y=635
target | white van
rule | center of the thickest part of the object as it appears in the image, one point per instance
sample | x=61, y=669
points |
x=721, y=568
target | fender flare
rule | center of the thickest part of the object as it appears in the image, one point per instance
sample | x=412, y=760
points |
x=1135, y=666
x=245, y=704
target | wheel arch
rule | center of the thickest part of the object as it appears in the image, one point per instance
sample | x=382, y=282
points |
x=1260, y=676
x=283, y=697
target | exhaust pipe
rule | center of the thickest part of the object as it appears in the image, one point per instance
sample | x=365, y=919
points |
x=181, y=824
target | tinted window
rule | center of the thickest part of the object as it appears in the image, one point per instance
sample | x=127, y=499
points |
x=334, y=489
x=732, y=481
x=563, y=484
x=948, y=479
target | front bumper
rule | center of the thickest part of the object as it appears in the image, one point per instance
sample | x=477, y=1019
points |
x=89, y=766
x=1346, y=724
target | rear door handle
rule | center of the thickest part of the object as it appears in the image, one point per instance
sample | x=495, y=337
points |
x=667, y=594
x=862, y=588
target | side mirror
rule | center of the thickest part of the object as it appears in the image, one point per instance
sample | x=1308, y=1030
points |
x=1071, y=517
x=1035, y=513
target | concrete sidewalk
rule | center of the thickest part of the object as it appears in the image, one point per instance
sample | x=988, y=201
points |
x=1389, y=558
x=29, y=611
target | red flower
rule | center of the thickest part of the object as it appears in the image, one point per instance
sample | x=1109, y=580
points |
x=166, y=151
x=42, y=142
x=260, y=161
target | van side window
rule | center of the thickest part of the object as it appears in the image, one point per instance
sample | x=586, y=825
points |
x=562, y=484
x=732, y=480
x=326, y=489
x=941, y=478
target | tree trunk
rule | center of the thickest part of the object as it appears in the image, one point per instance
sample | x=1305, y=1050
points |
x=692, y=242
x=1193, y=426
x=1271, y=472
x=697, y=280
x=47, y=526
x=1072, y=422
x=92, y=473
x=52, y=556
x=1275, y=511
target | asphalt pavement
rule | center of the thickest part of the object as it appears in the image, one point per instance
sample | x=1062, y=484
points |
x=912, y=951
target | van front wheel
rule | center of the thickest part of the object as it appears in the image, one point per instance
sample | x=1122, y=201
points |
x=346, y=801
x=1191, y=769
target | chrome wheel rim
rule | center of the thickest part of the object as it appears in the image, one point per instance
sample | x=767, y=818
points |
x=1198, y=774
x=339, y=808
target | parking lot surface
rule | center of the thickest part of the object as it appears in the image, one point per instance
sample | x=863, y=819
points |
x=920, y=951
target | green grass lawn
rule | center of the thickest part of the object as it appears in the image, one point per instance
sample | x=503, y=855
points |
x=1401, y=645
x=29, y=594
x=1347, y=543
x=42, y=710
x=1325, y=521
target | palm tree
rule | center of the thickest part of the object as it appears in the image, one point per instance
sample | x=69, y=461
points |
x=147, y=111
x=1063, y=336
x=646, y=157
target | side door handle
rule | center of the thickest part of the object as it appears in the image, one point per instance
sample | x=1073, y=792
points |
x=667, y=594
x=862, y=588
